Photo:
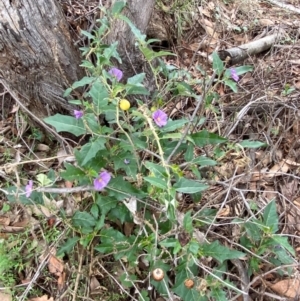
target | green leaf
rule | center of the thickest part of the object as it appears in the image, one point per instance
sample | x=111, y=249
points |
x=96, y=164
x=113, y=238
x=218, y=65
x=75, y=101
x=87, y=64
x=105, y=203
x=72, y=173
x=204, y=161
x=203, y=138
x=253, y=231
x=118, y=7
x=43, y=179
x=173, y=125
x=144, y=295
x=243, y=69
x=103, y=28
x=63, y=123
x=231, y=84
x=84, y=221
x=194, y=247
x=252, y=144
x=99, y=96
x=239, y=70
x=184, y=89
x=218, y=294
x=136, y=79
x=169, y=242
x=127, y=280
x=189, y=154
x=91, y=149
x=100, y=222
x=139, y=143
x=188, y=222
x=270, y=217
x=120, y=214
x=83, y=82
x=67, y=92
x=137, y=89
x=219, y=252
x=254, y=265
x=283, y=256
x=120, y=189
x=87, y=34
x=92, y=123
x=157, y=182
x=130, y=168
x=111, y=51
x=189, y=186
x=95, y=211
x=172, y=136
x=150, y=54
x=68, y=246
x=137, y=33
x=283, y=242
x=157, y=170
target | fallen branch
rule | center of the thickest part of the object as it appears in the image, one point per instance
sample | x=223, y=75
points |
x=286, y=6
x=237, y=54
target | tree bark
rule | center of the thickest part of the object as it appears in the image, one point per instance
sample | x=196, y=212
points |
x=139, y=12
x=37, y=58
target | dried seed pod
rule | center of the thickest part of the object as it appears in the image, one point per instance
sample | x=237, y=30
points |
x=158, y=274
x=189, y=283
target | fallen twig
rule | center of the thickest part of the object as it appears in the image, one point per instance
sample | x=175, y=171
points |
x=286, y=6
x=240, y=53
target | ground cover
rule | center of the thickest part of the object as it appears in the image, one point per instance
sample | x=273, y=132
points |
x=214, y=219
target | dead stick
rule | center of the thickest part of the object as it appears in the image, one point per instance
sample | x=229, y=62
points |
x=238, y=54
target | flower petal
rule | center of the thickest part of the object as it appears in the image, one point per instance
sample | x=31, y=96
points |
x=160, y=118
x=117, y=73
x=28, y=188
x=234, y=74
x=102, y=181
x=78, y=114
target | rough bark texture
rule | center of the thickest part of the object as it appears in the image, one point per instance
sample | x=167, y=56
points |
x=37, y=58
x=139, y=12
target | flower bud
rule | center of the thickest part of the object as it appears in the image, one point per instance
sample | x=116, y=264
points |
x=158, y=274
x=188, y=283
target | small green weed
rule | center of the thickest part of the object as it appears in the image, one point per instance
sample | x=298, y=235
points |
x=7, y=263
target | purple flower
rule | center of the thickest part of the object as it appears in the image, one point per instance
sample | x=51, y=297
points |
x=160, y=118
x=28, y=188
x=234, y=75
x=126, y=161
x=102, y=181
x=117, y=73
x=78, y=114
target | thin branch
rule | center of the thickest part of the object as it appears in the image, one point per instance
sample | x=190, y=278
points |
x=286, y=6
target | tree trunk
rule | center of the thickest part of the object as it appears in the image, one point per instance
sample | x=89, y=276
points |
x=139, y=12
x=38, y=60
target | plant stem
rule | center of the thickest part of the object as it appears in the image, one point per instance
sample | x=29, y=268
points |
x=128, y=137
